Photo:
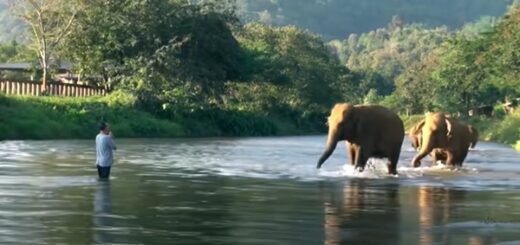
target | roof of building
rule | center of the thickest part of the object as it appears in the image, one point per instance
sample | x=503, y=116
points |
x=27, y=66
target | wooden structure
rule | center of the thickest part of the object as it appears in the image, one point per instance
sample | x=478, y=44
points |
x=56, y=89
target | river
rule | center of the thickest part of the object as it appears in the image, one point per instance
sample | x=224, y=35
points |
x=251, y=191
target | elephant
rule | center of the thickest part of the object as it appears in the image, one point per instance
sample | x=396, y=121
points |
x=485, y=110
x=414, y=134
x=473, y=132
x=431, y=132
x=370, y=131
x=450, y=146
x=465, y=139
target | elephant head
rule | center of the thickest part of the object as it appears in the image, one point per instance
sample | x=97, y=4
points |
x=436, y=132
x=341, y=123
x=414, y=134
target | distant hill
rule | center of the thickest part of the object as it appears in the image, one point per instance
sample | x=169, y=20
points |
x=336, y=19
x=10, y=28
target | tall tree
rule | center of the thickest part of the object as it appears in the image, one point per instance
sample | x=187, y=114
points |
x=161, y=50
x=50, y=22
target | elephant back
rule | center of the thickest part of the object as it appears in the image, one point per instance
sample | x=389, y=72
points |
x=382, y=118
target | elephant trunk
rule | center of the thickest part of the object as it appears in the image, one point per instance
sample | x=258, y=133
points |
x=474, y=137
x=415, y=141
x=331, y=146
x=425, y=148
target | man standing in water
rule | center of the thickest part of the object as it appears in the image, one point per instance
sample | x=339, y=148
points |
x=104, y=147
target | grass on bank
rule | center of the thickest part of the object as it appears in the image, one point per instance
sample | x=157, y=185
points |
x=27, y=117
x=24, y=117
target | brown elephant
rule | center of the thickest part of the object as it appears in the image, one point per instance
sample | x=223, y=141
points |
x=430, y=133
x=473, y=136
x=450, y=146
x=414, y=134
x=370, y=130
x=466, y=138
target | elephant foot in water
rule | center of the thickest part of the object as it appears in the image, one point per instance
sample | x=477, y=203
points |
x=392, y=170
x=359, y=168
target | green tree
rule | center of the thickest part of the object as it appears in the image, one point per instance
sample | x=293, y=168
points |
x=297, y=60
x=388, y=52
x=158, y=49
x=478, y=66
x=415, y=89
x=50, y=22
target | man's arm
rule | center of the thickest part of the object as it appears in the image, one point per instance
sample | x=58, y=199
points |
x=112, y=144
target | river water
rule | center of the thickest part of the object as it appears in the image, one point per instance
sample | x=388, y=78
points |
x=251, y=191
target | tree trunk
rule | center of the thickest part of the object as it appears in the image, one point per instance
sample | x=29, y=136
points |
x=45, y=64
x=44, y=78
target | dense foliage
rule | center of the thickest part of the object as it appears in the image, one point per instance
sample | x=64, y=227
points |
x=15, y=52
x=388, y=51
x=195, y=64
x=157, y=48
x=465, y=71
x=180, y=59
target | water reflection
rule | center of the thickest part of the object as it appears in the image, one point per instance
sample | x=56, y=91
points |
x=102, y=211
x=435, y=207
x=248, y=191
x=425, y=204
x=356, y=211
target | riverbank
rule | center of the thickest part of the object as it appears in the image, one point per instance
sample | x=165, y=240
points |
x=24, y=117
x=72, y=118
x=501, y=130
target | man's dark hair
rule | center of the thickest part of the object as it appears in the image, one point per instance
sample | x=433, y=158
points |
x=102, y=126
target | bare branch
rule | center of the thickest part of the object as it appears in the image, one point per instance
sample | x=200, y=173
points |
x=65, y=30
x=50, y=21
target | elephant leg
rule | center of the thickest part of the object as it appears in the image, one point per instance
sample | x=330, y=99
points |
x=361, y=158
x=392, y=166
x=459, y=159
x=351, y=150
x=450, y=159
x=438, y=155
x=433, y=157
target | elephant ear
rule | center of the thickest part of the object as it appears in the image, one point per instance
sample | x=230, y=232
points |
x=350, y=121
x=415, y=130
x=348, y=112
x=448, y=126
